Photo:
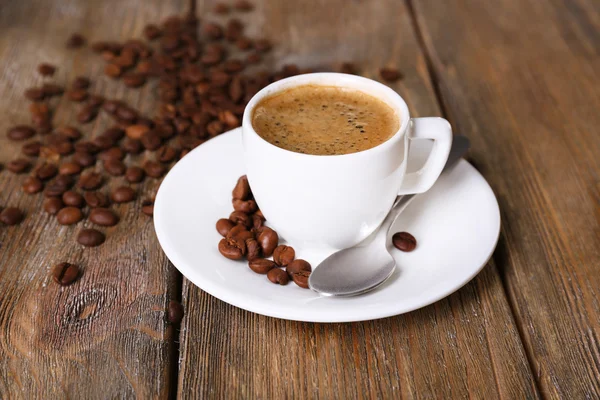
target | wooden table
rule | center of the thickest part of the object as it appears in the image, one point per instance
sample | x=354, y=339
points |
x=520, y=78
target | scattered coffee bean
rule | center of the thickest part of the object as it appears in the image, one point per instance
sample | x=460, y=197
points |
x=46, y=69
x=134, y=79
x=84, y=159
x=301, y=278
x=136, y=131
x=86, y=147
x=77, y=95
x=95, y=101
x=115, y=167
x=239, y=231
x=11, y=216
x=69, y=216
x=81, y=82
x=32, y=149
x=279, y=276
x=69, y=168
x=75, y=41
x=404, y=241
x=20, y=132
x=261, y=265
x=232, y=248
x=123, y=194
x=52, y=205
x=298, y=266
x=18, y=166
x=283, y=255
x=390, y=74
x=262, y=45
x=65, y=273
x=90, y=237
x=46, y=171
x=51, y=90
x=221, y=8
x=268, y=240
x=243, y=5
x=148, y=207
x=90, y=181
x=248, y=206
x=95, y=199
x=103, y=217
x=240, y=218
x=113, y=71
x=103, y=142
x=134, y=174
x=73, y=199
x=242, y=189
x=152, y=32
x=32, y=185
x=151, y=140
x=154, y=169
x=224, y=226
x=132, y=146
x=35, y=94
x=87, y=114
x=166, y=154
x=175, y=312
x=257, y=221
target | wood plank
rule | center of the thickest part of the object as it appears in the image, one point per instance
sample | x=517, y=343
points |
x=105, y=336
x=520, y=78
x=464, y=346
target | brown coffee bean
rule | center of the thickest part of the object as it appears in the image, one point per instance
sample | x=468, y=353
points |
x=224, y=226
x=152, y=32
x=84, y=159
x=69, y=216
x=262, y=45
x=73, y=199
x=95, y=199
x=390, y=74
x=65, y=273
x=53, y=205
x=90, y=237
x=69, y=168
x=46, y=171
x=31, y=149
x=154, y=169
x=127, y=114
x=32, y=185
x=175, y=312
x=134, y=174
x=212, y=30
x=114, y=167
x=279, y=276
x=242, y=189
x=131, y=146
x=75, y=41
x=214, y=128
x=11, y=216
x=64, y=148
x=123, y=194
x=283, y=255
x=112, y=70
x=51, y=90
x=239, y=231
x=240, y=218
x=77, y=95
x=81, y=82
x=95, y=100
x=18, y=166
x=221, y=8
x=268, y=240
x=232, y=248
x=298, y=265
x=87, y=114
x=90, y=181
x=248, y=206
x=111, y=106
x=348, y=68
x=60, y=185
x=35, y=94
x=103, y=217
x=257, y=221
x=166, y=154
x=103, y=142
x=243, y=5
x=151, y=140
x=404, y=241
x=136, y=131
x=253, y=249
x=114, y=133
x=134, y=79
x=301, y=278
x=86, y=147
x=70, y=132
x=148, y=207
x=253, y=58
x=233, y=66
x=20, y=132
x=261, y=265
x=46, y=69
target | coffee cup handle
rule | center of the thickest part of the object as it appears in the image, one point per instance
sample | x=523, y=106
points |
x=440, y=131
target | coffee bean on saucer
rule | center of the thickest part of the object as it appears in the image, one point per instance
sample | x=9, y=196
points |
x=297, y=266
x=20, y=132
x=242, y=189
x=148, y=207
x=268, y=240
x=247, y=206
x=301, y=278
x=134, y=174
x=404, y=241
x=11, y=216
x=283, y=255
x=90, y=181
x=261, y=265
x=69, y=216
x=53, y=205
x=65, y=273
x=253, y=249
x=224, y=226
x=175, y=312
x=239, y=231
x=122, y=194
x=279, y=276
x=232, y=248
x=73, y=199
x=390, y=74
x=95, y=199
x=90, y=237
x=32, y=185
x=240, y=218
x=18, y=166
x=103, y=217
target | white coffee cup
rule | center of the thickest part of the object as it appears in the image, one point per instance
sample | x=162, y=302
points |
x=336, y=201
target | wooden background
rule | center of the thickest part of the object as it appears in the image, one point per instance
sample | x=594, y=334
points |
x=518, y=77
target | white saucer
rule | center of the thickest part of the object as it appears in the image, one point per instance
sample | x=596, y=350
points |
x=456, y=224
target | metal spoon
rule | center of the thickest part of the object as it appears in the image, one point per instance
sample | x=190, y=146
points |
x=360, y=269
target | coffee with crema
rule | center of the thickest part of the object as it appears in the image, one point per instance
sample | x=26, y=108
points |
x=324, y=120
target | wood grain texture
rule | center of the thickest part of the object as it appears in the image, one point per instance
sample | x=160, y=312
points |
x=520, y=78
x=464, y=346
x=105, y=336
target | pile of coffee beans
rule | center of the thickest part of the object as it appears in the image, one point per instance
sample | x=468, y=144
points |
x=246, y=237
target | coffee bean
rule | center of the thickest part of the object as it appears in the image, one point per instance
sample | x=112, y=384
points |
x=46, y=171
x=152, y=32
x=114, y=167
x=90, y=237
x=134, y=174
x=253, y=249
x=81, y=82
x=248, y=206
x=148, y=207
x=239, y=232
x=11, y=216
x=35, y=94
x=151, y=140
x=283, y=255
x=212, y=30
x=166, y=154
x=111, y=106
x=240, y=218
x=32, y=185
x=84, y=159
x=301, y=278
x=175, y=312
x=86, y=147
x=46, y=69
x=134, y=79
x=64, y=148
x=18, y=166
x=52, y=205
x=232, y=248
x=390, y=74
x=114, y=133
x=69, y=216
x=103, y=142
x=136, y=131
x=70, y=132
x=257, y=221
x=65, y=273
x=31, y=149
x=268, y=240
x=123, y=194
x=69, y=168
x=95, y=199
x=243, y=43
x=51, y=90
x=103, y=217
x=75, y=41
x=77, y=95
x=154, y=169
x=131, y=146
x=262, y=45
x=73, y=199
x=113, y=153
x=127, y=114
x=224, y=226
x=298, y=265
x=261, y=265
x=279, y=276
x=404, y=241
x=90, y=181
x=221, y=8
x=242, y=189
x=87, y=114
x=20, y=132
x=243, y=5
x=112, y=70
x=348, y=68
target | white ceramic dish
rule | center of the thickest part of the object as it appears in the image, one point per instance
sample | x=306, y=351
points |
x=456, y=224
